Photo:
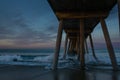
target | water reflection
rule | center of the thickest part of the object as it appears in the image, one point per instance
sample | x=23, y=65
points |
x=66, y=74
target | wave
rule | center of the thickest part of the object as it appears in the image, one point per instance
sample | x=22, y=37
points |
x=8, y=58
x=46, y=61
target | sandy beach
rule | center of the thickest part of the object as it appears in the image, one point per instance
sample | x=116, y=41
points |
x=8, y=72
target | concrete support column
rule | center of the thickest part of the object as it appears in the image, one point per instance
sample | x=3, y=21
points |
x=65, y=47
x=58, y=44
x=78, y=47
x=69, y=43
x=109, y=44
x=82, y=57
x=92, y=46
x=86, y=46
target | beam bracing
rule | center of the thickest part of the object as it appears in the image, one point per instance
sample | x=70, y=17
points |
x=82, y=56
x=65, y=47
x=109, y=44
x=92, y=46
x=58, y=44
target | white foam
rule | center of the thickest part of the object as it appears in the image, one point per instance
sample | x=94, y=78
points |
x=6, y=58
x=48, y=58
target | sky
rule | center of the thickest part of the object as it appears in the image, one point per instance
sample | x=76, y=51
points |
x=33, y=24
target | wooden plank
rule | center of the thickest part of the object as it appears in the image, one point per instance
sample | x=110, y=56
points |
x=78, y=15
x=58, y=44
x=82, y=57
x=109, y=44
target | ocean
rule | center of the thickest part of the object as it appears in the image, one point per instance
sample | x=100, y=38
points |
x=44, y=58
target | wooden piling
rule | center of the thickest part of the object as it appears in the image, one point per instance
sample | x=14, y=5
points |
x=92, y=46
x=109, y=44
x=82, y=58
x=78, y=47
x=65, y=47
x=71, y=46
x=86, y=47
x=58, y=44
x=69, y=43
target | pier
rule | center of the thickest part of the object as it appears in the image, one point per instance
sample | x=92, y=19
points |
x=78, y=18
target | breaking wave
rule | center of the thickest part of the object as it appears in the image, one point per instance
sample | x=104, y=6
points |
x=69, y=62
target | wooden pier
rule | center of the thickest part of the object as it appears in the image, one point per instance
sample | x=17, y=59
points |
x=78, y=18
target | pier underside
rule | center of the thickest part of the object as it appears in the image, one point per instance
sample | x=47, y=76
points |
x=78, y=18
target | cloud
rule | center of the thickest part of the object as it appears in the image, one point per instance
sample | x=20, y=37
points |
x=21, y=32
x=52, y=29
x=10, y=26
x=27, y=24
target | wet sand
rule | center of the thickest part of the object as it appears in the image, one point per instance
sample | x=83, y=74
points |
x=8, y=72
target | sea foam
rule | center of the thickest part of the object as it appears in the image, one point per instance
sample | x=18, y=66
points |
x=8, y=58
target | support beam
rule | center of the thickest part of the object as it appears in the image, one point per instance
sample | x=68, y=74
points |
x=58, y=44
x=79, y=15
x=65, y=47
x=78, y=47
x=74, y=45
x=86, y=47
x=92, y=46
x=69, y=43
x=77, y=31
x=109, y=44
x=70, y=48
x=82, y=57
